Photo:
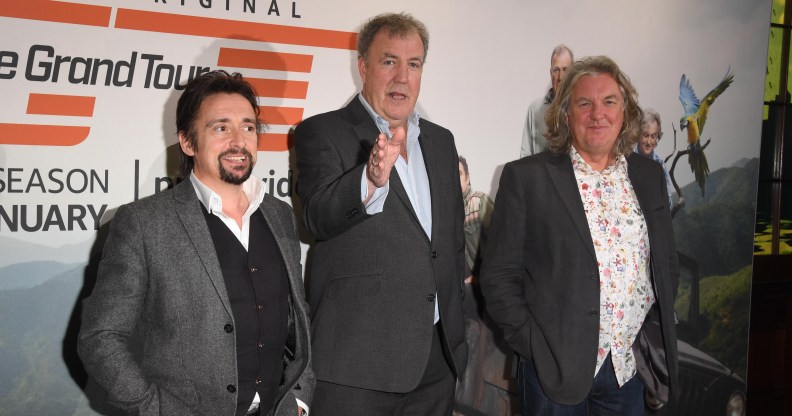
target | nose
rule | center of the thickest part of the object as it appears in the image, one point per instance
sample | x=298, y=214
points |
x=402, y=72
x=237, y=138
x=597, y=110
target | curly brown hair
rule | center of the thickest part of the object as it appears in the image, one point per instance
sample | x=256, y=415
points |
x=559, y=134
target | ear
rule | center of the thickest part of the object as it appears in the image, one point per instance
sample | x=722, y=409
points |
x=362, y=68
x=185, y=145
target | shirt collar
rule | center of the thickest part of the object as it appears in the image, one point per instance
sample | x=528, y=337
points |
x=252, y=187
x=581, y=166
x=548, y=98
x=382, y=124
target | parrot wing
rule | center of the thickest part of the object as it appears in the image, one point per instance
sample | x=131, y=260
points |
x=688, y=97
x=701, y=114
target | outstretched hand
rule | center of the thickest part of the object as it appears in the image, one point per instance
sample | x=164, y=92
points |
x=383, y=156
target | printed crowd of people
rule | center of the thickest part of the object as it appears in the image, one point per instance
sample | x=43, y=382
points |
x=421, y=297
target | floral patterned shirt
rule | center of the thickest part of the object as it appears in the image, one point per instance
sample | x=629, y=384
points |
x=621, y=243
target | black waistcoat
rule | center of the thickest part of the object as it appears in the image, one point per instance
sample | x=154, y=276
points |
x=258, y=288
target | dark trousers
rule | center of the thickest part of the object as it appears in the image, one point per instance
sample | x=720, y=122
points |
x=434, y=395
x=606, y=398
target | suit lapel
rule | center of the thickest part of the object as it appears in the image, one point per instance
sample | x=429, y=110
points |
x=188, y=208
x=642, y=187
x=638, y=181
x=563, y=178
x=280, y=230
x=433, y=165
x=367, y=132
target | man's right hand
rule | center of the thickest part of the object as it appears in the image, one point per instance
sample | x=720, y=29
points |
x=382, y=158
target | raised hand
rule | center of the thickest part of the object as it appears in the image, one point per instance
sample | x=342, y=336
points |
x=383, y=156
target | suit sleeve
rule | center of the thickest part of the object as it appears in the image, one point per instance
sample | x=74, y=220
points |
x=110, y=315
x=329, y=190
x=503, y=269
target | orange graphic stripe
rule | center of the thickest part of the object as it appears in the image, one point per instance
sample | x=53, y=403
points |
x=279, y=88
x=274, y=142
x=274, y=61
x=61, y=105
x=56, y=11
x=41, y=135
x=233, y=29
x=281, y=115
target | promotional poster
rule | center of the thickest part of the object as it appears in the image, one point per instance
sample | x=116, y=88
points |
x=87, y=124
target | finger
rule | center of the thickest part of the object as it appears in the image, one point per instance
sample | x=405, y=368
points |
x=398, y=135
x=382, y=141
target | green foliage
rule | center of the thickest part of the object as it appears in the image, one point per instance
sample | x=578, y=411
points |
x=724, y=308
x=717, y=230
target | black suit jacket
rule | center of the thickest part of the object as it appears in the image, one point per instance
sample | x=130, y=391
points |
x=541, y=282
x=373, y=278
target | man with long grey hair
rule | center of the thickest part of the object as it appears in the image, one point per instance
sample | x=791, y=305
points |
x=580, y=270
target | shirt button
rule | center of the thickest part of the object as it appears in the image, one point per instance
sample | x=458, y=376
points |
x=228, y=328
x=261, y=345
x=231, y=388
x=434, y=254
x=253, y=269
x=258, y=381
x=259, y=306
x=593, y=313
x=431, y=297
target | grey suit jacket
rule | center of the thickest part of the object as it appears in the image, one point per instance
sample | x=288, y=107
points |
x=160, y=282
x=373, y=278
x=541, y=281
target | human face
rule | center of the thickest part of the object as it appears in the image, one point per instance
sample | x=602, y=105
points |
x=226, y=141
x=596, y=115
x=650, y=134
x=559, y=66
x=463, y=178
x=391, y=74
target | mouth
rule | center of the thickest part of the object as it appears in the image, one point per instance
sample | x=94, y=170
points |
x=397, y=96
x=235, y=158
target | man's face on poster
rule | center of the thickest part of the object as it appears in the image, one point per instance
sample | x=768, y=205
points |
x=559, y=66
x=650, y=134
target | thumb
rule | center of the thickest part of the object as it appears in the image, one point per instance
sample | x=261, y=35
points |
x=398, y=135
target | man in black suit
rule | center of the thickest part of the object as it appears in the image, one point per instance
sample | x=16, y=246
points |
x=580, y=269
x=381, y=195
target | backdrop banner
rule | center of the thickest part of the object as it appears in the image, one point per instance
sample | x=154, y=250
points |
x=87, y=123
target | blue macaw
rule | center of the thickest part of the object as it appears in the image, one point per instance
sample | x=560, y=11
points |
x=694, y=119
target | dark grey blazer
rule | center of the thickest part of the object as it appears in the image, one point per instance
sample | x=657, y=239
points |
x=373, y=278
x=160, y=277
x=541, y=282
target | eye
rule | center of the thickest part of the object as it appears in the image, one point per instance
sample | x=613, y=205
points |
x=249, y=129
x=220, y=128
x=416, y=65
x=388, y=62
